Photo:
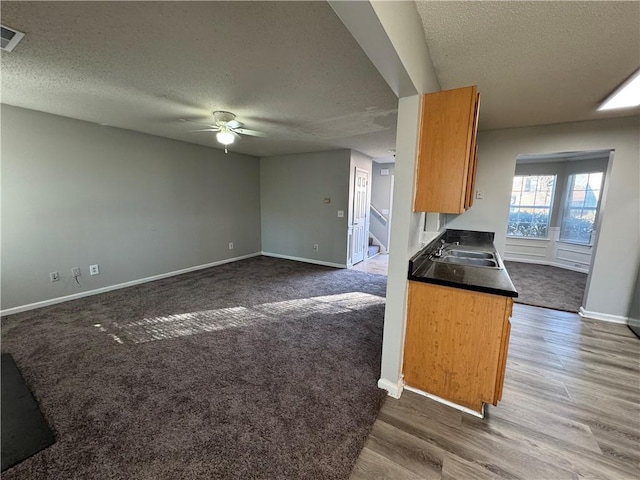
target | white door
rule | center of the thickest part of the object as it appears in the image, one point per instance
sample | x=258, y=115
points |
x=360, y=207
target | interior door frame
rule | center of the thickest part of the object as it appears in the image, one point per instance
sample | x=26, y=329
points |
x=365, y=235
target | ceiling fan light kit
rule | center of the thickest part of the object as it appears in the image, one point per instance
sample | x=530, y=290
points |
x=227, y=128
x=225, y=137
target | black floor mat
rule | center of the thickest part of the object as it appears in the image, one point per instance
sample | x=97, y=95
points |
x=24, y=430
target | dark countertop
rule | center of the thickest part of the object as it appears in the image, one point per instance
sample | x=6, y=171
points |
x=487, y=280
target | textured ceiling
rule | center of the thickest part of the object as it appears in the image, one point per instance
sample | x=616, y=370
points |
x=292, y=70
x=289, y=69
x=535, y=63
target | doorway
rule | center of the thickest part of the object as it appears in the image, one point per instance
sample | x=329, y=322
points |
x=382, y=185
x=552, y=233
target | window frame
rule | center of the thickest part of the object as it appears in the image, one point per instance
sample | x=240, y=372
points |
x=566, y=207
x=549, y=208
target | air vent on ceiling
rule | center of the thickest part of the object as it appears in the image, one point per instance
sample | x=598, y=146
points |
x=10, y=38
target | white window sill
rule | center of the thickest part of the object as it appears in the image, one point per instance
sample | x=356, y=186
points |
x=535, y=239
x=576, y=244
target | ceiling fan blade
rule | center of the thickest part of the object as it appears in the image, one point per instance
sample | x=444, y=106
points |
x=235, y=124
x=206, y=130
x=199, y=123
x=251, y=133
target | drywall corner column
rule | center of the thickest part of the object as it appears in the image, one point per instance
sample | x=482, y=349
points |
x=405, y=241
x=363, y=23
x=402, y=24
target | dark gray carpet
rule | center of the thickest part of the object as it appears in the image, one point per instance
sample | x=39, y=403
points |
x=24, y=430
x=546, y=286
x=223, y=373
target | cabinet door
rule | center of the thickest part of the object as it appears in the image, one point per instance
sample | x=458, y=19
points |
x=473, y=159
x=453, y=343
x=471, y=178
x=448, y=122
x=504, y=350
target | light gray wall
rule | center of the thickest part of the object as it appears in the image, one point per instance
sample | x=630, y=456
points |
x=380, y=191
x=294, y=215
x=76, y=193
x=618, y=251
x=562, y=169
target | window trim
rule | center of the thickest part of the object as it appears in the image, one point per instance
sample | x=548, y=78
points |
x=550, y=207
x=565, y=207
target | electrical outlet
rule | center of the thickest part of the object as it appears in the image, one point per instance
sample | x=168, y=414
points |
x=230, y=245
x=315, y=247
x=54, y=276
x=340, y=213
x=75, y=271
x=94, y=269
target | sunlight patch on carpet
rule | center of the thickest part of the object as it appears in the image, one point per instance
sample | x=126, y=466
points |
x=206, y=321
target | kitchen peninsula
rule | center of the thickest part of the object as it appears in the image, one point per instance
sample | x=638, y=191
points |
x=457, y=338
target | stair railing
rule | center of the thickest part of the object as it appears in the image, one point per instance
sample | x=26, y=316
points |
x=379, y=215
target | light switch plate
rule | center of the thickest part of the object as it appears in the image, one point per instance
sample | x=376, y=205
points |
x=340, y=213
x=479, y=194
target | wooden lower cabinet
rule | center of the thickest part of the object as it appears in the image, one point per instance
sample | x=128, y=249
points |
x=456, y=343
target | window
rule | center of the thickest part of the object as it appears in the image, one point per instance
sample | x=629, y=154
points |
x=531, y=200
x=580, y=207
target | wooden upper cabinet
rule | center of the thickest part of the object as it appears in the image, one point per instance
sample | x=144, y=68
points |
x=447, y=151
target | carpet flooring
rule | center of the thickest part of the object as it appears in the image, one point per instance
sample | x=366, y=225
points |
x=546, y=286
x=263, y=368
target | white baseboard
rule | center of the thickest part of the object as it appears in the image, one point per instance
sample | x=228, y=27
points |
x=544, y=262
x=604, y=317
x=305, y=260
x=447, y=402
x=393, y=389
x=88, y=293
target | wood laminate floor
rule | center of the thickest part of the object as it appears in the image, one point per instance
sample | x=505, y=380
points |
x=378, y=264
x=570, y=410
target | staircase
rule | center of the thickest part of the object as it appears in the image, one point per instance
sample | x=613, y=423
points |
x=372, y=250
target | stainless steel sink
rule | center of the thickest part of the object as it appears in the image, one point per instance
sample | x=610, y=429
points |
x=476, y=262
x=463, y=253
x=471, y=258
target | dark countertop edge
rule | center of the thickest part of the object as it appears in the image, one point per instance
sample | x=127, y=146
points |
x=462, y=286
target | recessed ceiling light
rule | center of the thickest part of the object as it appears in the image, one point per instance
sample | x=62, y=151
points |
x=625, y=96
x=9, y=38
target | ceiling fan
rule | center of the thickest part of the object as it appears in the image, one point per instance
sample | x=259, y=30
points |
x=227, y=128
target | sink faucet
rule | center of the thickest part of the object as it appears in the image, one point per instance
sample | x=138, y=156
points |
x=443, y=246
